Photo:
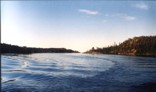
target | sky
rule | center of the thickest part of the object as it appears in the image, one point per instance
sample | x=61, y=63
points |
x=78, y=25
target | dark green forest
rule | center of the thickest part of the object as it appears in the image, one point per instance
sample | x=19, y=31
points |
x=137, y=46
x=8, y=48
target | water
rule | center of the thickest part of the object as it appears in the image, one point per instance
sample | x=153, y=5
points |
x=45, y=72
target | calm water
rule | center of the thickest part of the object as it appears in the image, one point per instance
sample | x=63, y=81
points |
x=77, y=73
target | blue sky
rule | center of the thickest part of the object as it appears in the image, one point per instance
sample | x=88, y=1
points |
x=77, y=25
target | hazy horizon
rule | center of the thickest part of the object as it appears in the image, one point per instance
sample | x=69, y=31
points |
x=77, y=25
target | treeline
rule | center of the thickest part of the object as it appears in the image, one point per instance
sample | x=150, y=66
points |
x=139, y=46
x=8, y=48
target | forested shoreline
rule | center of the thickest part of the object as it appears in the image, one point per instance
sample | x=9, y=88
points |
x=8, y=48
x=137, y=46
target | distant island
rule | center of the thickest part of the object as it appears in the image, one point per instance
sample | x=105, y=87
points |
x=8, y=48
x=137, y=46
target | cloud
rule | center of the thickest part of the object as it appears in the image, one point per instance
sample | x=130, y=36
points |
x=89, y=12
x=129, y=18
x=104, y=21
x=107, y=15
x=142, y=6
x=123, y=16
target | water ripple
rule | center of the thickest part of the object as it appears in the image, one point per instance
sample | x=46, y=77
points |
x=75, y=72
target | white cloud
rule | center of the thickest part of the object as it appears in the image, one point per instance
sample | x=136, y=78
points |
x=115, y=15
x=129, y=18
x=104, y=21
x=90, y=12
x=107, y=14
x=120, y=15
x=142, y=6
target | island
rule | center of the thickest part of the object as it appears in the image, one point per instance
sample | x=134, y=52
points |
x=136, y=46
x=8, y=48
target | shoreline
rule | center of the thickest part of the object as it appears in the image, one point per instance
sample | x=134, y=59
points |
x=122, y=54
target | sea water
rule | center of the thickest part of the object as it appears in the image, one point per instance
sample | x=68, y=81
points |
x=64, y=72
